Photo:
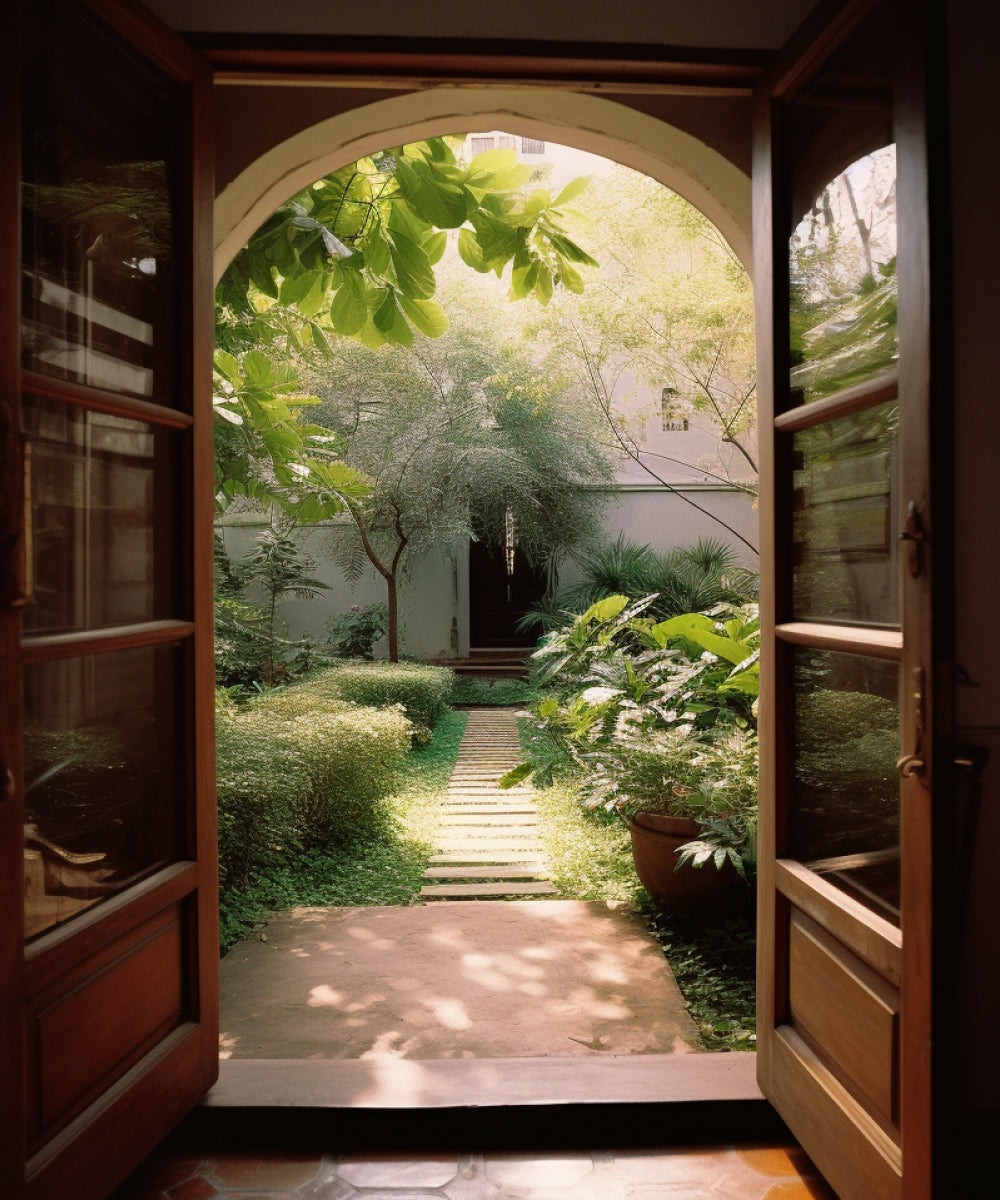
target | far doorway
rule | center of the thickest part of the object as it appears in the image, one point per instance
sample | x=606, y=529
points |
x=503, y=587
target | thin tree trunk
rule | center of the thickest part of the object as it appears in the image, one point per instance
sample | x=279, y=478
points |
x=393, y=619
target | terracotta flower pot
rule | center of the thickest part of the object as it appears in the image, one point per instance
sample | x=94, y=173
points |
x=655, y=842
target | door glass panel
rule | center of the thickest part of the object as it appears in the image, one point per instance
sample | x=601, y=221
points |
x=844, y=561
x=842, y=239
x=844, y=807
x=102, y=519
x=103, y=762
x=99, y=194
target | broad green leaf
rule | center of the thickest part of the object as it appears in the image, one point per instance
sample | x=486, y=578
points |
x=315, y=298
x=537, y=201
x=258, y=369
x=491, y=161
x=426, y=315
x=377, y=253
x=734, y=652
x=296, y=287
x=523, y=279
x=604, y=610
x=570, y=278
x=262, y=273
x=349, y=309
x=442, y=204
x=572, y=190
x=543, y=287
x=681, y=626
x=470, y=251
x=518, y=775
x=226, y=365
x=435, y=245
x=413, y=270
x=569, y=249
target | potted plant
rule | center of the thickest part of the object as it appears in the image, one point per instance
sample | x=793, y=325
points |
x=657, y=722
x=690, y=805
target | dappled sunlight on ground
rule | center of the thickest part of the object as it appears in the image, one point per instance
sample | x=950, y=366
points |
x=455, y=980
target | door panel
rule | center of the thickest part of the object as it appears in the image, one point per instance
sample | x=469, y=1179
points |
x=106, y=616
x=841, y=236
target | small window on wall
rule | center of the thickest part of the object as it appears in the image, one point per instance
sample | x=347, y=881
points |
x=532, y=146
x=672, y=418
x=478, y=144
x=506, y=142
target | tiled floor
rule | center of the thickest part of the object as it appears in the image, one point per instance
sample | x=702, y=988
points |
x=760, y=1172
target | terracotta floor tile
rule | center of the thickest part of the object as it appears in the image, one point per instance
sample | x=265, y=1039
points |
x=690, y=1165
x=391, y=1171
x=776, y=1160
x=525, y=1171
x=802, y=1189
x=266, y=1171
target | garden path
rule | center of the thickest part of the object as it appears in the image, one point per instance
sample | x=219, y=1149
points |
x=487, y=839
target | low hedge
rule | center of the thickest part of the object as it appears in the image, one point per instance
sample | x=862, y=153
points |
x=423, y=691
x=296, y=770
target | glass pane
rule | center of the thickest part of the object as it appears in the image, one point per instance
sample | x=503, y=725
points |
x=98, y=194
x=103, y=768
x=842, y=244
x=845, y=554
x=102, y=519
x=844, y=809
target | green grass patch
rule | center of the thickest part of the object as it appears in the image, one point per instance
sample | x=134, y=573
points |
x=383, y=866
x=498, y=693
x=713, y=958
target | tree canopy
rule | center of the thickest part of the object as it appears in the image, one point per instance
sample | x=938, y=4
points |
x=458, y=435
x=354, y=256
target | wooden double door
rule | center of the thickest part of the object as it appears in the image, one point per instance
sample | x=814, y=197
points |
x=108, y=949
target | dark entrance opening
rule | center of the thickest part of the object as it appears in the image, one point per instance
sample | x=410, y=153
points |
x=503, y=585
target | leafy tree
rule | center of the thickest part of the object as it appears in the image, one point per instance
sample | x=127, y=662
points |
x=456, y=434
x=353, y=256
x=673, y=306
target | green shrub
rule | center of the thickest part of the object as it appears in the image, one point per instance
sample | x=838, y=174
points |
x=423, y=691
x=241, y=641
x=354, y=633
x=352, y=755
x=296, y=769
x=263, y=786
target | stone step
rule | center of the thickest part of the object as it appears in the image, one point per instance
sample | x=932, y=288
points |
x=494, y=846
x=456, y=809
x=507, y=822
x=485, y=872
x=477, y=891
x=497, y=860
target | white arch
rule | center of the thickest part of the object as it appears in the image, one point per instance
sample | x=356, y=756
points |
x=674, y=158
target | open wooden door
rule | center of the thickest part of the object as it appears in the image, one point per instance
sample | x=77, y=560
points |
x=109, y=954
x=855, y=748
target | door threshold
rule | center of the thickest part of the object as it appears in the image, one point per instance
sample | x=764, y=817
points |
x=616, y=1101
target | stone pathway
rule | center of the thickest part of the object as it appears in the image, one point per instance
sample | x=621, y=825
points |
x=487, y=841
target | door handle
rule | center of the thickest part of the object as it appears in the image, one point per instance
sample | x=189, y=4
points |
x=911, y=764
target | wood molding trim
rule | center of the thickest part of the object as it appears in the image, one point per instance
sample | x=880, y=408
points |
x=259, y=58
